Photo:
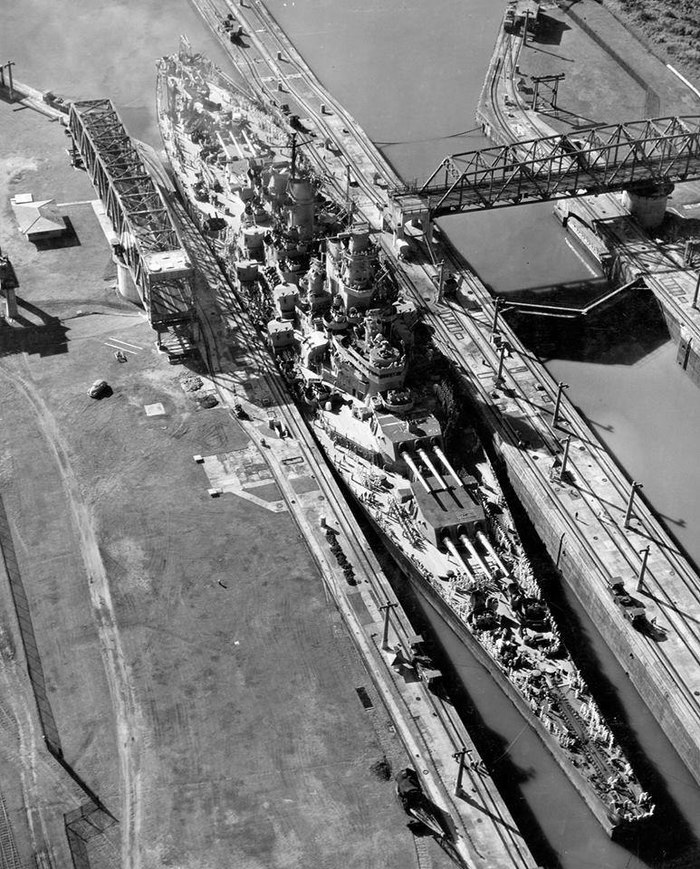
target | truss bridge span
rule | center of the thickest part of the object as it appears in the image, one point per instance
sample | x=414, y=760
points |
x=645, y=158
x=145, y=240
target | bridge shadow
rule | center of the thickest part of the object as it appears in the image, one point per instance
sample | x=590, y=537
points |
x=33, y=330
x=564, y=294
x=677, y=228
x=571, y=119
x=623, y=334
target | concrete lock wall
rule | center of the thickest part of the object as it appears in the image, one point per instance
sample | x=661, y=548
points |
x=581, y=578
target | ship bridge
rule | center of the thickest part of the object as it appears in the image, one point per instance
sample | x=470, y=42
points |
x=146, y=241
x=644, y=158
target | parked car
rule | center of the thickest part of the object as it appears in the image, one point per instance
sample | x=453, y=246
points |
x=98, y=389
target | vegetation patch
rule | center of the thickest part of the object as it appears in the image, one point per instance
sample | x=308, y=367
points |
x=670, y=27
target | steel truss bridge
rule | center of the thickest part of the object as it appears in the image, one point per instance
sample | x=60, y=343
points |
x=148, y=243
x=643, y=156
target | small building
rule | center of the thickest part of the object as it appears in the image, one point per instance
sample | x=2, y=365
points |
x=520, y=14
x=39, y=220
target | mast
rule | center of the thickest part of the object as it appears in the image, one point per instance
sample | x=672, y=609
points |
x=294, y=156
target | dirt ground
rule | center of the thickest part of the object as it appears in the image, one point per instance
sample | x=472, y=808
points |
x=608, y=80
x=201, y=682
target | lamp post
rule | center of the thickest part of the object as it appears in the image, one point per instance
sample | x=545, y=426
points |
x=643, y=567
x=561, y=386
x=630, y=502
x=499, y=303
x=501, y=359
x=459, y=757
x=9, y=65
x=386, y=609
x=565, y=457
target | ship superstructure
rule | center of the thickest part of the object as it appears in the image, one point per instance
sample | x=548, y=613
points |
x=348, y=344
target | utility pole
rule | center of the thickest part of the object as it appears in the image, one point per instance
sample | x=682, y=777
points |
x=441, y=279
x=561, y=386
x=643, y=567
x=697, y=291
x=499, y=302
x=565, y=457
x=501, y=359
x=459, y=757
x=630, y=502
x=10, y=64
x=386, y=609
x=561, y=548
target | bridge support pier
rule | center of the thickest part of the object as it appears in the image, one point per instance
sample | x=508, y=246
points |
x=8, y=289
x=125, y=285
x=411, y=217
x=648, y=204
x=8, y=303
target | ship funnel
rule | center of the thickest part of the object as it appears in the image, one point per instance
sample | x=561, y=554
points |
x=431, y=467
x=412, y=465
x=446, y=465
x=475, y=555
x=486, y=543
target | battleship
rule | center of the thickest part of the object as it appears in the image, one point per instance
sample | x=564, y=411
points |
x=381, y=403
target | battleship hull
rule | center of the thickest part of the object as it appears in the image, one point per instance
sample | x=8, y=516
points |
x=184, y=171
x=427, y=594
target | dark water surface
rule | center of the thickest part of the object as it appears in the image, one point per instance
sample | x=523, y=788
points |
x=411, y=72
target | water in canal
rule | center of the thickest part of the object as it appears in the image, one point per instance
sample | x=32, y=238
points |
x=411, y=73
